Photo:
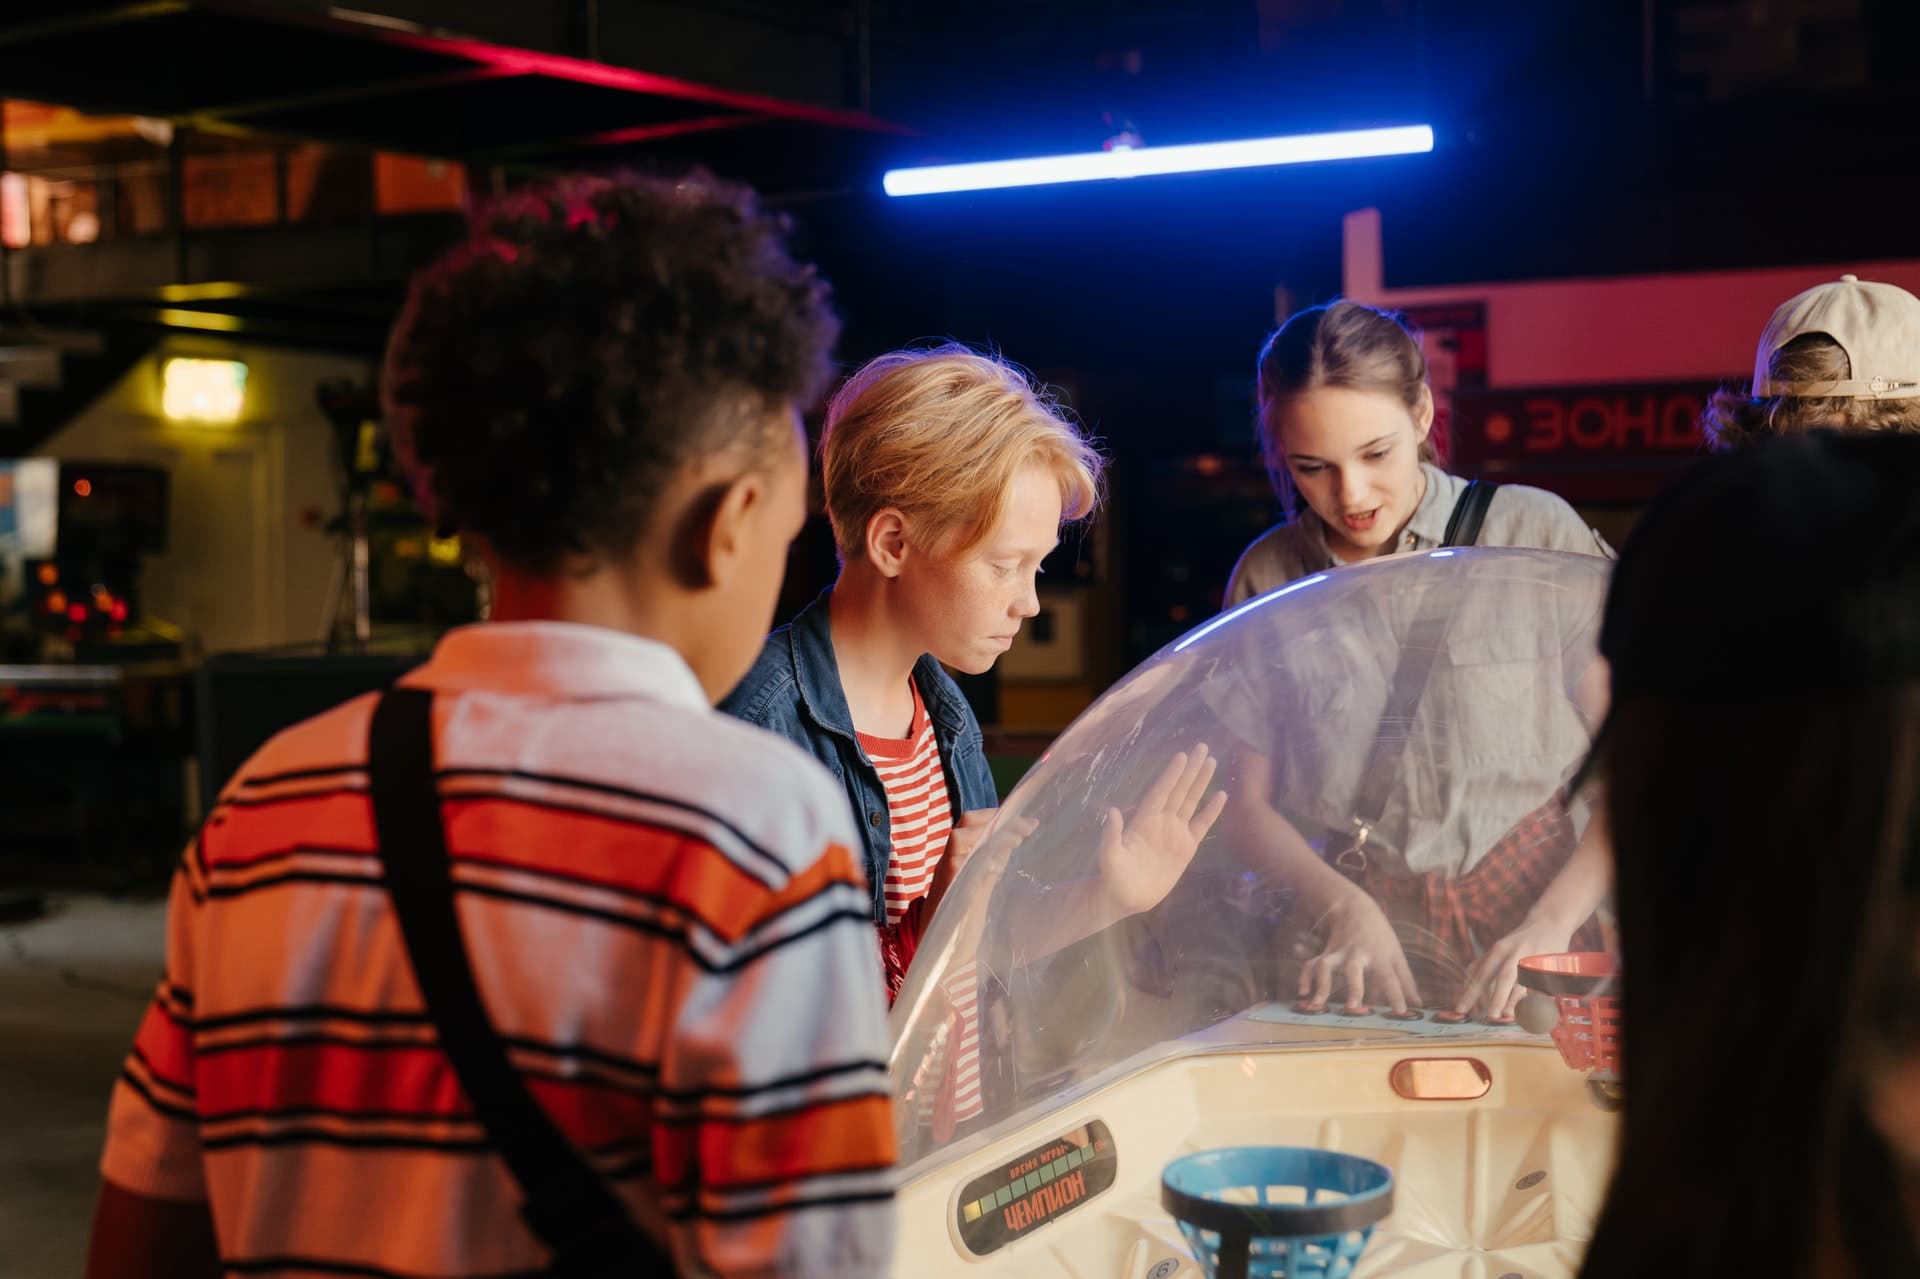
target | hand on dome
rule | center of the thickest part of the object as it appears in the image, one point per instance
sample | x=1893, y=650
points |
x=1143, y=858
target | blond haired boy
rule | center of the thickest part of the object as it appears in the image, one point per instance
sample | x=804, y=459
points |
x=948, y=478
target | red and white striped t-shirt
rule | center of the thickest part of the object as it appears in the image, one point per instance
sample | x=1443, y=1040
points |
x=920, y=822
x=919, y=813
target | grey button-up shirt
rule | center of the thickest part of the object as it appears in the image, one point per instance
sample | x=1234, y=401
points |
x=1517, y=516
x=1498, y=728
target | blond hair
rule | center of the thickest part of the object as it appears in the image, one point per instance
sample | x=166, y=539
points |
x=1732, y=418
x=939, y=435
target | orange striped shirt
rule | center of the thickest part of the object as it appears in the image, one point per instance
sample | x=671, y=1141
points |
x=651, y=894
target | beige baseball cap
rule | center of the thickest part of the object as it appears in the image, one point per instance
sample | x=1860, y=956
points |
x=1877, y=325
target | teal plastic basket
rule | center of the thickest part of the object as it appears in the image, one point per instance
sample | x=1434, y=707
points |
x=1276, y=1212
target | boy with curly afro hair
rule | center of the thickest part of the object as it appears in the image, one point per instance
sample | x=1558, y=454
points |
x=599, y=390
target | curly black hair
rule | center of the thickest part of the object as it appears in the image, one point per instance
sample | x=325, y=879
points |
x=592, y=335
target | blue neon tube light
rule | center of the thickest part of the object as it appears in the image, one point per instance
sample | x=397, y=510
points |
x=1094, y=166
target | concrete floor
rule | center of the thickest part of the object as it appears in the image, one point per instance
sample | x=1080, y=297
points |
x=73, y=986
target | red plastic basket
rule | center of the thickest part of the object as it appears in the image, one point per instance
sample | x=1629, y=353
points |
x=1584, y=986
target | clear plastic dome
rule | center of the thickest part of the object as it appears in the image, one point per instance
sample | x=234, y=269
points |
x=1409, y=726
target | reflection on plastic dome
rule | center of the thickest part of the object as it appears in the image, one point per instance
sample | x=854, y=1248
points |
x=1394, y=742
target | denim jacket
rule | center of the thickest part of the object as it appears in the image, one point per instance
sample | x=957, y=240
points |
x=794, y=690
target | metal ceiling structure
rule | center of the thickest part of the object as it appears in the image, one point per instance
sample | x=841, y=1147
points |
x=214, y=76
x=234, y=67
x=1649, y=141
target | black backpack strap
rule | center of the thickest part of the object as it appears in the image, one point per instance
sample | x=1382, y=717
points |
x=1469, y=513
x=565, y=1202
x=1418, y=653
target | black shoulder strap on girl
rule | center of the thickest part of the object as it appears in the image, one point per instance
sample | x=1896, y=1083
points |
x=565, y=1202
x=1469, y=512
x=1418, y=653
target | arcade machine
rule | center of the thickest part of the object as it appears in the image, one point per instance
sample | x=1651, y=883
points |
x=82, y=563
x=92, y=693
x=1086, y=1092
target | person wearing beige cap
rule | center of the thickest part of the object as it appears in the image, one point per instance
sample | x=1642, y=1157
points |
x=1841, y=356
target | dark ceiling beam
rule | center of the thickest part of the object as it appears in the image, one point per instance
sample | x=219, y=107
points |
x=351, y=337
x=292, y=299
x=632, y=80
x=351, y=92
x=474, y=61
x=281, y=133
x=291, y=259
x=376, y=70
x=635, y=136
x=97, y=19
x=412, y=35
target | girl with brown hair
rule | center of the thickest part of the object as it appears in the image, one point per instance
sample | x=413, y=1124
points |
x=1346, y=425
x=1346, y=420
